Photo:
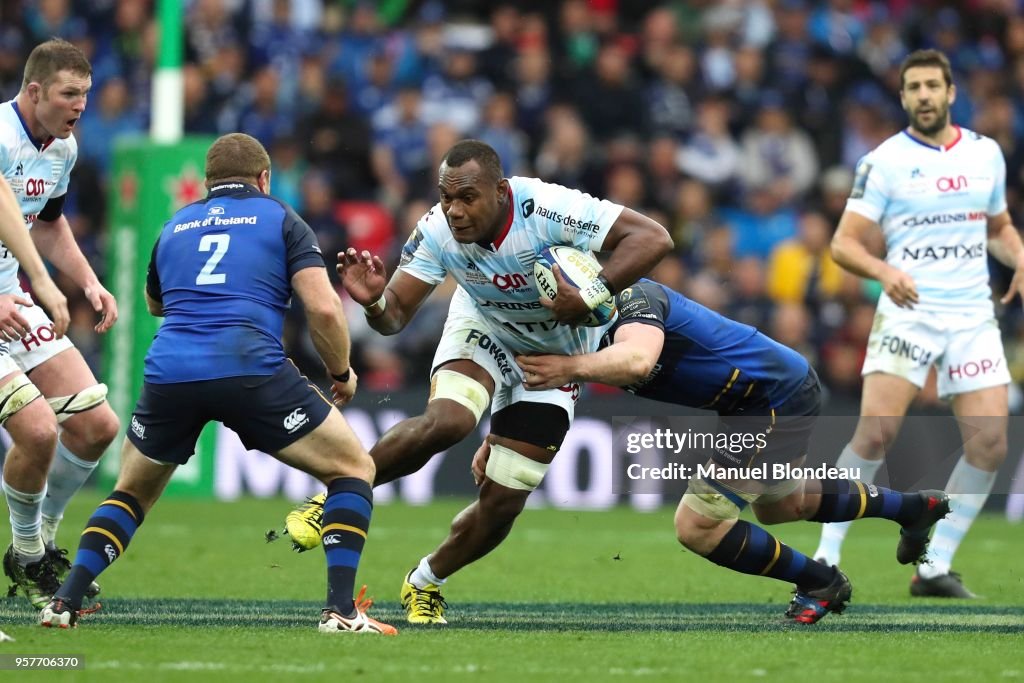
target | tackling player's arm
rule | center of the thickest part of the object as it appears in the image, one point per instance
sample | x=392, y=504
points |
x=17, y=240
x=53, y=237
x=628, y=360
x=328, y=328
x=1005, y=244
x=849, y=250
x=389, y=307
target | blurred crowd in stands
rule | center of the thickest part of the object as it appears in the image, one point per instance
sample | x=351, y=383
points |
x=735, y=123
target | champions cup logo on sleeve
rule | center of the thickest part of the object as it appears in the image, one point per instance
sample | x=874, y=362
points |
x=411, y=245
x=860, y=181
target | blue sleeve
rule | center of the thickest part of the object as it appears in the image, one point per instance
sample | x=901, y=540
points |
x=645, y=303
x=300, y=244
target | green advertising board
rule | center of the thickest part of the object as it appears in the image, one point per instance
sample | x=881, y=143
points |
x=150, y=182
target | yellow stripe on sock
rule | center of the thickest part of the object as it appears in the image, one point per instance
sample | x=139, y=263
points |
x=112, y=537
x=122, y=504
x=775, y=557
x=863, y=499
x=343, y=527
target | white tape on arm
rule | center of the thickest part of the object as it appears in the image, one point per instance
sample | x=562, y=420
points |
x=595, y=294
x=376, y=309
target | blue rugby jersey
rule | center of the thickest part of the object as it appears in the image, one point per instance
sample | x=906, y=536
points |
x=222, y=269
x=708, y=360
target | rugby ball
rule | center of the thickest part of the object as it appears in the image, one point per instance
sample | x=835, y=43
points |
x=579, y=268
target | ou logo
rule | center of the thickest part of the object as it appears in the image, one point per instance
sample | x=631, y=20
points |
x=947, y=184
x=509, y=281
x=35, y=187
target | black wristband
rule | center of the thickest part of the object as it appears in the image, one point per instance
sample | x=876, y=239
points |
x=607, y=283
x=343, y=377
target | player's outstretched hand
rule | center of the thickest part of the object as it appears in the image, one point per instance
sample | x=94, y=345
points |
x=54, y=301
x=900, y=287
x=567, y=306
x=342, y=392
x=13, y=326
x=479, y=465
x=546, y=371
x=1016, y=287
x=362, y=275
x=103, y=302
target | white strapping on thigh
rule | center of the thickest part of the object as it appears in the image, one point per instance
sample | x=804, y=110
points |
x=464, y=390
x=15, y=395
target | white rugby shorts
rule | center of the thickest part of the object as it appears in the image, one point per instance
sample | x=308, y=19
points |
x=40, y=344
x=967, y=351
x=467, y=336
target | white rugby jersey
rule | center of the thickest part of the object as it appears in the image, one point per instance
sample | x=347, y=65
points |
x=36, y=170
x=932, y=204
x=498, y=277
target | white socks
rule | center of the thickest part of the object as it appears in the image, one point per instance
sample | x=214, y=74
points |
x=422, y=576
x=67, y=474
x=833, y=533
x=25, y=522
x=968, y=488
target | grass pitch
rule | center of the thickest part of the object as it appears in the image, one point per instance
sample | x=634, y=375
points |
x=570, y=596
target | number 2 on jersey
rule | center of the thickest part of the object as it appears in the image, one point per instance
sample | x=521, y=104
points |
x=219, y=244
